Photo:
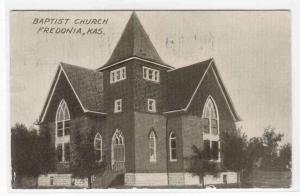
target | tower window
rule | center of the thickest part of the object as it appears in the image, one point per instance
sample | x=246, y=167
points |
x=118, y=75
x=151, y=105
x=151, y=74
x=118, y=106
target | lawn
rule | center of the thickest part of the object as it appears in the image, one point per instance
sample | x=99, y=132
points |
x=268, y=179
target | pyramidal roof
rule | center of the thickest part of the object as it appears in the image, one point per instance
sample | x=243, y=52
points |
x=134, y=42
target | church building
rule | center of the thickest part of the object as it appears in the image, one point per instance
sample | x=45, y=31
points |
x=144, y=115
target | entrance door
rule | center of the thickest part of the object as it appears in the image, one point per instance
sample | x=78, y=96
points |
x=118, y=151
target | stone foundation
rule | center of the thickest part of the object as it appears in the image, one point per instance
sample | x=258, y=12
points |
x=61, y=180
x=142, y=179
x=190, y=179
x=178, y=179
x=146, y=179
x=231, y=178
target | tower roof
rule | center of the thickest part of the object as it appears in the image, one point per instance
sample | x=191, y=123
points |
x=134, y=42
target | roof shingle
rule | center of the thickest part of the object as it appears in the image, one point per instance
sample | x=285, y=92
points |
x=134, y=42
x=182, y=83
x=87, y=84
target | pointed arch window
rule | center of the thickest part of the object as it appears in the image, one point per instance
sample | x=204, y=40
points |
x=172, y=147
x=62, y=136
x=98, y=147
x=210, y=115
x=62, y=119
x=118, y=147
x=211, y=130
x=152, y=146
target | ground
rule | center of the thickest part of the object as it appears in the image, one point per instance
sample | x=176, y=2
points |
x=269, y=179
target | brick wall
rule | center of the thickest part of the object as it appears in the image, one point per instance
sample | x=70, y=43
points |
x=134, y=92
x=119, y=90
x=174, y=123
x=144, y=89
x=76, y=124
x=192, y=134
x=124, y=122
x=143, y=124
x=84, y=125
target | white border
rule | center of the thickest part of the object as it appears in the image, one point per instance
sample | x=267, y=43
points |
x=293, y=5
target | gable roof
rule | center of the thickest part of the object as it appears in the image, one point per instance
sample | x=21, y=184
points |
x=134, y=42
x=183, y=83
x=87, y=85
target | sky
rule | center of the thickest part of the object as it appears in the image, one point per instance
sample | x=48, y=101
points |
x=251, y=50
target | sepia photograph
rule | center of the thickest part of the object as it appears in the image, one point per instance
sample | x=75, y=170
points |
x=168, y=99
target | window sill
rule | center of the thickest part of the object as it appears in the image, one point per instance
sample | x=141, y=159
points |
x=117, y=112
x=215, y=160
x=209, y=136
x=173, y=160
x=205, y=133
x=63, y=136
x=152, y=112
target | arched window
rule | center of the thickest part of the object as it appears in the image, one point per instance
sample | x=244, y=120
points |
x=211, y=128
x=118, y=147
x=118, y=138
x=98, y=147
x=62, y=121
x=210, y=115
x=152, y=146
x=172, y=147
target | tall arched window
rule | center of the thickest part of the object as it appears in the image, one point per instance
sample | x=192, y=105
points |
x=62, y=121
x=152, y=146
x=210, y=115
x=211, y=129
x=118, y=146
x=118, y=151
x=98, y=147
x=172, y=147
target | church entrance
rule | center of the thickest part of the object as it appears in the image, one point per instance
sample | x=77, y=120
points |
x=118, y=152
